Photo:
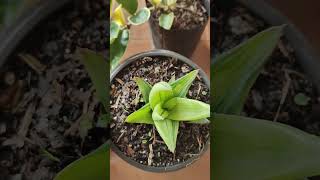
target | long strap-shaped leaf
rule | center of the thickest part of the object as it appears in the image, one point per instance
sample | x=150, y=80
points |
x=94, y=166
x=234, y=73
x=246, y=148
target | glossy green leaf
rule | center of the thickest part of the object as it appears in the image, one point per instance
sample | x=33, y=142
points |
x=200, y=121
x=182, y=85
x=131, y=6
x=114, y=31
x=140, y=17
x=118, y=47
x=159, y=113
x=143, y=115
x=168, y=130
x=183, y=109
x=144, y=88
x=92, y=166
x=160, y=93
x=166, y=20
x=234, y=72
x=246, y=148
x=98, y=70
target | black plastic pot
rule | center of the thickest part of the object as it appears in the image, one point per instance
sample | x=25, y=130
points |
x=154, y=53
x=181, y=41
x=306, y=56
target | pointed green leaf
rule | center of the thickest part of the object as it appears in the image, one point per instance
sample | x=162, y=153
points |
x=143, y=115
x=131, y=6
x=246, y=148
x=140, y=17
x=234, y=72
x=92, y=166
x=168, y=130
x=114, y=31
x=160, y=93
x=144, y=88
x=182, y=85
x=159, y=113
x=98, y=70
x=118, y=47
x=200, y=121
x=183, y=109
x=166, y=20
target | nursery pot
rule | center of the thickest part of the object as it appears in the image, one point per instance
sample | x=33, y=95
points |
x=181, y=41
x=158, y=53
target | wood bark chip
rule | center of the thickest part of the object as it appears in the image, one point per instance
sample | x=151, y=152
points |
x=33, y=62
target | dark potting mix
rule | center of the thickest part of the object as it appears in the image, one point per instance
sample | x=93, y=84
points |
x=141, y=142
x=282, y=91
x=48, y=109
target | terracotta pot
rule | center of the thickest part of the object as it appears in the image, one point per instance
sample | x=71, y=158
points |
x=181, y=41
x=153, y=53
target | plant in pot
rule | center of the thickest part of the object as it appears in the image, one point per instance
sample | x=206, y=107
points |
x=177, y=25
x=159, y=111
x=248, y=148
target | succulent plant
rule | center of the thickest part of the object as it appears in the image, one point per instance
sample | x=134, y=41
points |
x=167, y=105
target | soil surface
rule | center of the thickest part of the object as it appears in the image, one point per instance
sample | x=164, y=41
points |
x=141, y=142
x=48, y=110
x=281, y=78
x=189, y=14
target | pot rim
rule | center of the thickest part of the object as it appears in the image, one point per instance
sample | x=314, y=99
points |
x=153, y=53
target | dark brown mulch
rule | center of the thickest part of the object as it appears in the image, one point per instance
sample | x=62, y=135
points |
x=44, y=102
x=188, y=14
x=281, y=78
x=137, y=140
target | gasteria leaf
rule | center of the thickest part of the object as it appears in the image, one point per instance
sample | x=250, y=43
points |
x=246, y=148
x=118, y=47
x=234, y=72
x=182, y=85
x=140, y=17
x=144, y=88
x=114, y=31
x=97, y=67
x=160, y=93
x=143, y=115
x=168, y=130
x=183, y=109
x=166, y=20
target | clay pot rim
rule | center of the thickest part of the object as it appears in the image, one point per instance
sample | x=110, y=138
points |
x=154, y=53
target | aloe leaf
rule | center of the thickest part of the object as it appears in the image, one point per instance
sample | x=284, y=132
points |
x=97, y=68
x=114, y=31
x=130, y=6
x=144, y=88
x=143, y=115
x=200, y=121
x=183, y=109
x=159, y=113
x=160, y=93
x=118, y=47
x=168, y=130
x=140, y=17
x=246, y=148
x=234, y=72
x=92, y=166
x=166, y=20
x=182, y=85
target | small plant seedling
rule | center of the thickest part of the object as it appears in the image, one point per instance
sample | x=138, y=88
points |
x=167, y=105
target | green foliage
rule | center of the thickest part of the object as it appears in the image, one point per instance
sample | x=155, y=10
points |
x=166, y=105
x=166, y=20
x=92, y=166
x=246, y=148
x=118, y=48
x=140, y=17
x=131, y=6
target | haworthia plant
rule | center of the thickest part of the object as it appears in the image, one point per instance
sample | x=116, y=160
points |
x=166, y=105
x=167, y=17
x=245, y=148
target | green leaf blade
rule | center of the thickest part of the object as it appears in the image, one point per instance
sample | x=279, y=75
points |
x=166, y=20
x=168, y=130
x=144, y=88
x=143, y=115
x=130, y=6
x=114, y=31
x=234, y=72
x=140, y=17
x=182, y=85
x=183, y=109
x=160, y=93
x=118, y=47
